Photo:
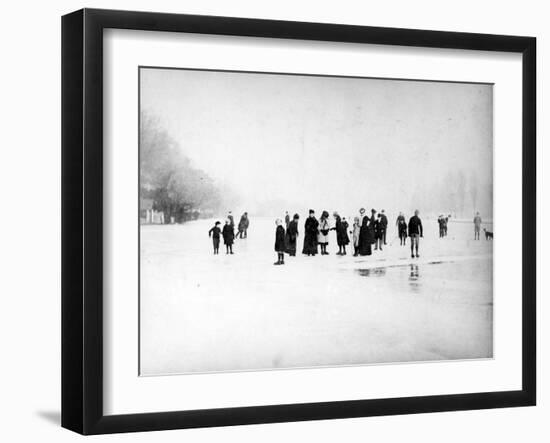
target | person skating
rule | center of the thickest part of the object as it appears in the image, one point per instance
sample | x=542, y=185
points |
x=401, y=224
x=292, y=235
x=310, y=234
x=323, y=230
x=280, y=242
x=215, y=234
x=228, y=236
x=341, y=228
x=355, y=231
x=415, y=232
x=383, y=225
x=477, y=226
x=243, y=226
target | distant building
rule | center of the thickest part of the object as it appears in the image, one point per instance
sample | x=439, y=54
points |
x=148, y=215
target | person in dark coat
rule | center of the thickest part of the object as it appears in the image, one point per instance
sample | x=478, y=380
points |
x=228, y=236
x=341, y=228
x=215, y=234
x=401, y=224
x=383, y=225
x=292, y=236
x=372, y=225
x=365, y=235
x=243, y=226
x=280, y=242
x=310, y=234
x=415, y=232
x=378, y=237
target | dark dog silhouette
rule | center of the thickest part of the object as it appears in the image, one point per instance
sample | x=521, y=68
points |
x=488, y=234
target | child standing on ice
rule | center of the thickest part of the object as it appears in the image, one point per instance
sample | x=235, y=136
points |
x=280, y=242
x=215, y=234
x=228, y=236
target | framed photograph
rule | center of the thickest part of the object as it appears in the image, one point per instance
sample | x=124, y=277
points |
x=269, y=221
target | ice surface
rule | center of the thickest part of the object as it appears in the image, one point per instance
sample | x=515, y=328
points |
x=202, y=312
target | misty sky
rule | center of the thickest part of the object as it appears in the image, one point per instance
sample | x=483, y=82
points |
x=325, y=142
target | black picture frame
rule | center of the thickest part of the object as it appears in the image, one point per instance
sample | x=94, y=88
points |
x=82, y=220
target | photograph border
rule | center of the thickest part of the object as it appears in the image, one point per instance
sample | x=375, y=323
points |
x=82, y=220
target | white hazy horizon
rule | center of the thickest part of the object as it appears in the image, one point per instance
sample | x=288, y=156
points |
x=331, y=143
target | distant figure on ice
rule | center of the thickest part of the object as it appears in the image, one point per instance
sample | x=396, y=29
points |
x=415, y=232
x=378, y=236
x=447, y=224
x=477, y=226
x=287, y=219
x=280, y=242
x=215, y=234
x=365, y=235
x=383, y=225
x=441, y=222
x=228, y=236
x=322, y=236
x=401, y=224
x=243, y=226
x=292, y=236
x=356, y=229
x=310, y=234
x=372, y=226
x=341, y=228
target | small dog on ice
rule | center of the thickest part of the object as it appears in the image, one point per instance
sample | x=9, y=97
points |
x=488, y=234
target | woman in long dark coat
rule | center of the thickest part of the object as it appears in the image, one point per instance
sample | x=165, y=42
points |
x=292, y=235
x=310, y=234
x=228, y=236
x=365, y=237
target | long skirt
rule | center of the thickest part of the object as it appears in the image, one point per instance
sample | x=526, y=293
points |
x=310, y=244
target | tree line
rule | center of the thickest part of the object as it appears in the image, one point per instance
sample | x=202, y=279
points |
x=169, y=179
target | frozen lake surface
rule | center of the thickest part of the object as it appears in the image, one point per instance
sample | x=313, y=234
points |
x=202, y=312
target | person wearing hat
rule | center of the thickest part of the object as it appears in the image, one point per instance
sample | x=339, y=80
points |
x=310, y=234
x=365, y=238
x=279, y=242
x=322, y=236
x=341, y=228
x=292, y=235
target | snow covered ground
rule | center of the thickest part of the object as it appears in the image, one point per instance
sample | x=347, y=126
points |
x=202, y=312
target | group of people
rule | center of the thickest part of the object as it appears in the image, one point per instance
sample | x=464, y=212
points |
x=365, y=232
x=228, y=232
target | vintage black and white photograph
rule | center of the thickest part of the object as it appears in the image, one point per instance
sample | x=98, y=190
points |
x=300, y=221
